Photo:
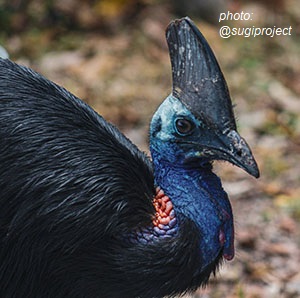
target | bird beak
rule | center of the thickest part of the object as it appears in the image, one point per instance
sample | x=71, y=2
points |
x=234, y=149
x=199, y=84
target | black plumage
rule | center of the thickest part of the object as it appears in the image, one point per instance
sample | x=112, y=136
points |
x=72, y=189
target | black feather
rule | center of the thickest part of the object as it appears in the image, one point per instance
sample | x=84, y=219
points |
x=72, y=189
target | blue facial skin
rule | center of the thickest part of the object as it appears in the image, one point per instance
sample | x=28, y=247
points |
x=183, y=171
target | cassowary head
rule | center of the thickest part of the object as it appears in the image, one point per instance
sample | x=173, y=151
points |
x=196, y=124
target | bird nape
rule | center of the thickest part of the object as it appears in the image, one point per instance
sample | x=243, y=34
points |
x=84, y=213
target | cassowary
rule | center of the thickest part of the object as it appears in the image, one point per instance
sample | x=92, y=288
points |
x=84, y=213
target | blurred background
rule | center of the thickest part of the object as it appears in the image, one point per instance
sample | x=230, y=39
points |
x=113, y=55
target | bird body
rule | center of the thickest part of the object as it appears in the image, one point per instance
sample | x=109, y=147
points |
x=68, y=179
x=84, y=213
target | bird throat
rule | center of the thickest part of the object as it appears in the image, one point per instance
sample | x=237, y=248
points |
x=197, y=195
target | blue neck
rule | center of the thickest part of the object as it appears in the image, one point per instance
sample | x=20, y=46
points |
x=197, y=194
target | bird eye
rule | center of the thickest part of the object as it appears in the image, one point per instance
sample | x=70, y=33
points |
x=184, y=126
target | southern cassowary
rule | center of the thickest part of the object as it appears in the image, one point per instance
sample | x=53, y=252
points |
x=84, y=213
